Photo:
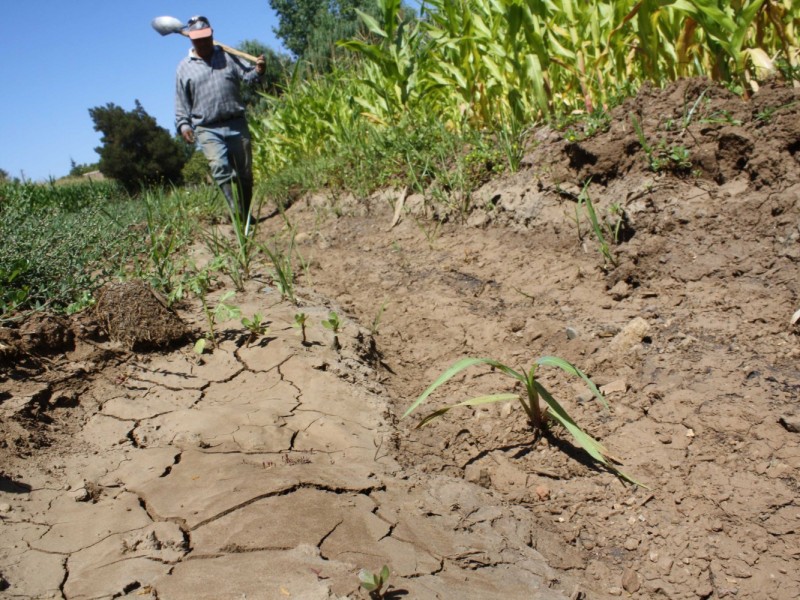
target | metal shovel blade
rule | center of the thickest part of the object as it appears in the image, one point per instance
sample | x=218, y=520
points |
x=167, y=25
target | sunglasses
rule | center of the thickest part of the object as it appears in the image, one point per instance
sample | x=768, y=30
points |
x=198, y=22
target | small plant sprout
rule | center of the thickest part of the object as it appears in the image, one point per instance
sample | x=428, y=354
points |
x=300, y=323
x=255, y=326
x=222, y=311
x=333, y=323
x=376, y=322
x=373, y=582
x=605, y=249
x=530, y=402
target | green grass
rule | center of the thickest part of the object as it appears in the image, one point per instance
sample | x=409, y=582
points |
x=62, y=242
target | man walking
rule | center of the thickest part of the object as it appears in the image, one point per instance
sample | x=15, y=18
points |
x=209, y=110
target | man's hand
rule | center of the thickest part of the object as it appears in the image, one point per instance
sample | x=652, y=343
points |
x=188, y=135
x=261, y=65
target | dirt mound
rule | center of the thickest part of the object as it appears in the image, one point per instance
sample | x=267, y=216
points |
x=132, y=314
x=693, y=128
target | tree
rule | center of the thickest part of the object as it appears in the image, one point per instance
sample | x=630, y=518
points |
x=76, y=170
x=136, y=151
x=310, y=28
x=274, y=78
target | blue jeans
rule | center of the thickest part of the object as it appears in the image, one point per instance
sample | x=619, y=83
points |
x=227, y=148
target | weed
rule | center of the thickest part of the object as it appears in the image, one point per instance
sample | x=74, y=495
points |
x=162, y=240
x=374, y=582
x=648, y=149
x=222, y=311
x=765, y=116
x=255, y=326
x=300, y=320
x=200, y=284
x=674, y=158
x=60, y=243
x=588, y=125
x=530, y=402
x=333, y=324
x=679, y=158
x=431, y=232
x=720, y=117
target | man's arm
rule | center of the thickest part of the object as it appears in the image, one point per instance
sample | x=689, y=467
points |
x=252, y=75
x=183, y=103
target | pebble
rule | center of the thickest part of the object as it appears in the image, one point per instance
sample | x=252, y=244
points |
x=543, y=492
x=630, y=581
x=631, y=544
x=665, y=565
x=614, y=591
x=572, y=333
x=5, y=507
x=790, y=423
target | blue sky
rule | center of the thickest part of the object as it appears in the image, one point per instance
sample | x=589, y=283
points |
x=62, y=58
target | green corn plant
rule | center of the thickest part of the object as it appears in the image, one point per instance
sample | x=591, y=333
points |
x=394, y=61
x=283, y=274
x=376, y=322
x=333, y=324
x=239, y=252
x=597, y=228
x=374, y=582
x=534, y=391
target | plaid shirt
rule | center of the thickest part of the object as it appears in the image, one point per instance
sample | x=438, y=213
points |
x=206, y=94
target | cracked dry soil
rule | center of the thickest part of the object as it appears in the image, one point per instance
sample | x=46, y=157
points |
x=277, y=470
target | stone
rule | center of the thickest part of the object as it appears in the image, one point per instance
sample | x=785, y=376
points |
x=791, y=423
x=630, y=581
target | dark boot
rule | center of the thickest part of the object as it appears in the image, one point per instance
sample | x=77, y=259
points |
x=245, y=201
x=227, y=191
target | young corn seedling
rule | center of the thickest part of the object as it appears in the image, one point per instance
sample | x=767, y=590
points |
x=300, y=323
x=376, y=322
x=534, y=391
x=605, y=249
x=374, y=582
x=255, y=326
x=283, y=275
x=333, y=323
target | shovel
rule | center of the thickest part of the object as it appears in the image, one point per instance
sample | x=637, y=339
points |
x=167, y=25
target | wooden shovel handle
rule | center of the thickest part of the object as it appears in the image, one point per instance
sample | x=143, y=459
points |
x=229, y=50
x=236, y=52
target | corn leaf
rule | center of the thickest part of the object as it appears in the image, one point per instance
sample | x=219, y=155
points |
x=555, y=361
x=454, y=370
x=477, y=401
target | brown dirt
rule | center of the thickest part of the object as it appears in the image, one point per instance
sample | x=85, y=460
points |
x=689, y=335
x=131, y=313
